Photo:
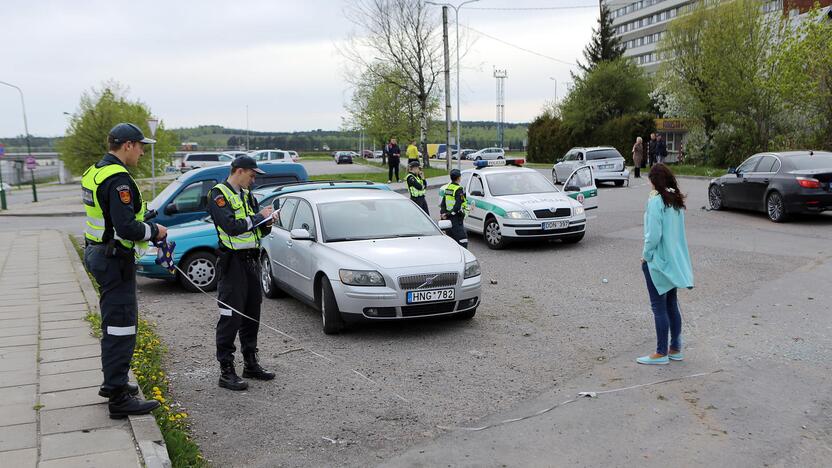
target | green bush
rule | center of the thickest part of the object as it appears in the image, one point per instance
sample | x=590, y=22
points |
x=621, y=133
x=547, y=139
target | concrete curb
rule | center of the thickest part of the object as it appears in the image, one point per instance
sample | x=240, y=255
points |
x=146, y=432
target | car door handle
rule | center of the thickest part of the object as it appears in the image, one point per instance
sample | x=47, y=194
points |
x=289, y=243
x=766, y=180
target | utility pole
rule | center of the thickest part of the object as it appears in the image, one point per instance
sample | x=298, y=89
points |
x=28, y=142
x=501, y=76
x=448, y=152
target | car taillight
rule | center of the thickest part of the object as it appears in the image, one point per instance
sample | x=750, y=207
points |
x=807, y=182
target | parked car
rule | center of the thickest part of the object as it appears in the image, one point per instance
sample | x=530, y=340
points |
x=344, y=157
x=235, y=154
x=367, y=154
x=197, y=160
x=345, y=253
x=196, y=242
x=184, y=199
x=607, y=165
x=488, y=153
x=455, y=155
x=378, y=153
x=508, y=202
x=272, y=155
x=779, y=184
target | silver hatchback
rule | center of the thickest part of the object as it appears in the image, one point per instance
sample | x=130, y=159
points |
x=607, y=165
x=363, y=254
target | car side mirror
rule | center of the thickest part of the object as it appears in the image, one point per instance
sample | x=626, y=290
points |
x=560, y=160
x=732, y=170
x=300, y=234
x=571, y=188
x=477, y=193
x=171, y=209
x=445, y=224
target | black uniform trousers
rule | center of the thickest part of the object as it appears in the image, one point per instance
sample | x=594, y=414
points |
x=116, y=277
x=457, y=231
x=239, y=287
x=423, y=204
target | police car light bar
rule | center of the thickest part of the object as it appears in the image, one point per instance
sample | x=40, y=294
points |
x=499, y=162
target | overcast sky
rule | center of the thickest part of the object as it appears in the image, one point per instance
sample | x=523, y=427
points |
x=199, y=62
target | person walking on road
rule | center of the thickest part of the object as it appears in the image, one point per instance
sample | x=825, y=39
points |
x=393, y=154
x=454, y=207
x=661, y=150
x=116, y=234
x=417, y=185
x=665, y=262
x=651, y=150
x=638, y=157
x=237, y=220
x=412, y=152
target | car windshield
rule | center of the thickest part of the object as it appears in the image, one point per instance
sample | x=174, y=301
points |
x=164, y=195
x=373, y=219
x=518, y=183
x=817, y=161
x=602, y=154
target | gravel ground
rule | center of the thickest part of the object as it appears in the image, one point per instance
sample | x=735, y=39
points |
x=550, y=318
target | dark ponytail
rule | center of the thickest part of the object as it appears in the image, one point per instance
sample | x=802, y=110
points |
x=664, y=182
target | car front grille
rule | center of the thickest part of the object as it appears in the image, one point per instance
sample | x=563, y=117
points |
x=558, y=213
x=428, y=309
x=428, y=281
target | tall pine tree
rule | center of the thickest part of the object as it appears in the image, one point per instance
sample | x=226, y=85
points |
x=604, y=46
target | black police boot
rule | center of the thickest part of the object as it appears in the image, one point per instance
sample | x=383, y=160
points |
x=132, y=389
x=123, y=404
x=252, y=369
x=229, y=378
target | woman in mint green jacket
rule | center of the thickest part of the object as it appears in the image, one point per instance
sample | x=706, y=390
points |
x=665, y=262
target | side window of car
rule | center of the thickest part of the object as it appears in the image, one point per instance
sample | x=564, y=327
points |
x=189, y=199
x=304, y=219
x=767, y=164
x=579, y=156
x=466, y=178
x=287, y=211
x=476, y=185
x=225, y=158
x=748, y=165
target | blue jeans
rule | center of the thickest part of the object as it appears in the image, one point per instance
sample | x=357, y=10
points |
x=666, y=314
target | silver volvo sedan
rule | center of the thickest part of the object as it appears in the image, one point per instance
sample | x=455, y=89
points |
x=359, y=254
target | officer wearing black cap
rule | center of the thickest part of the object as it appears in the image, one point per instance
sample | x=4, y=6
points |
x=416, y=184
x=454, y=207
x=237, y=220
x=116, y=235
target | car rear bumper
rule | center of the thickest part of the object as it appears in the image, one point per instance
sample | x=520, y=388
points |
x=379, y=304
x=809, y=203
x=611, y=175
x=534, y=229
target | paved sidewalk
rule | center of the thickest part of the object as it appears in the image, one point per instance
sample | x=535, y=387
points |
x=50, y=367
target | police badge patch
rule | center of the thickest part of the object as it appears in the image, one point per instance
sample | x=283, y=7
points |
x=124, y=194
x=220, y=201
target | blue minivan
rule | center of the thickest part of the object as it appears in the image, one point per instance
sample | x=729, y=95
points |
x=185, y=200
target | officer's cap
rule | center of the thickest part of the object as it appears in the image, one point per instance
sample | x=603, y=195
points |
x=455, y=174
x=246, y=162
x=124, y=132
x=413, y=163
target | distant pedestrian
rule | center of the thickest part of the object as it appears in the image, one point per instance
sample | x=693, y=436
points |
x=638, y=157
x=665, y=262
x=412, y=152
x=661, y=150
x=651, y=150
x=393, y=154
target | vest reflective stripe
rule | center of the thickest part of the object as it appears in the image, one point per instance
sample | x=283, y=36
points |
x=95, y=224
x=450, y=198
x=413, y=191
x=121, y=331
x=248, y=239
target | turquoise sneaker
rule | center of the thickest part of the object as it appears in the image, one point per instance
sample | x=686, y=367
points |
x=653, y=361
x=676, y=356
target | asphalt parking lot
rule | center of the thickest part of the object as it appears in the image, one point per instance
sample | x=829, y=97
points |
x=554, y=319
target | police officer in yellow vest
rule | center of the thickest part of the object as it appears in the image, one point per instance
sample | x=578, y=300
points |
x=454, y=206
x=236, y=217
x=416, y=184
x=116, y=234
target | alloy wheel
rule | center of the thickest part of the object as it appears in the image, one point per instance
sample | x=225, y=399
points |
x=492, y=233
x=715, y=198
x=774, y=207
x=265, y=274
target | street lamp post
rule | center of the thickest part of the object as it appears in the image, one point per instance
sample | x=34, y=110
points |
x=556, y=88
x=26, y=129
x=153, y=123
x=458, y=142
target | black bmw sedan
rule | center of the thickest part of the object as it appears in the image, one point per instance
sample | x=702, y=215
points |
x=779, y=184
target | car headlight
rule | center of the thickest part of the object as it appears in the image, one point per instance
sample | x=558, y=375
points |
x=151, y=250
x=361, y=278
x=472, y=269
x=579, y=210
x=518, y=215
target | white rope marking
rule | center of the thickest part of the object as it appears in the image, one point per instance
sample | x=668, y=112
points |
x=289, y=336
x=581, y=396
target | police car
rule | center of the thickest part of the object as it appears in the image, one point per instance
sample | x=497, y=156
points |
x=507, y=201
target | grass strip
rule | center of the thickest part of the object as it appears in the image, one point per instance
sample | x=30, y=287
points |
x=694, y=170
x=148, y=369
